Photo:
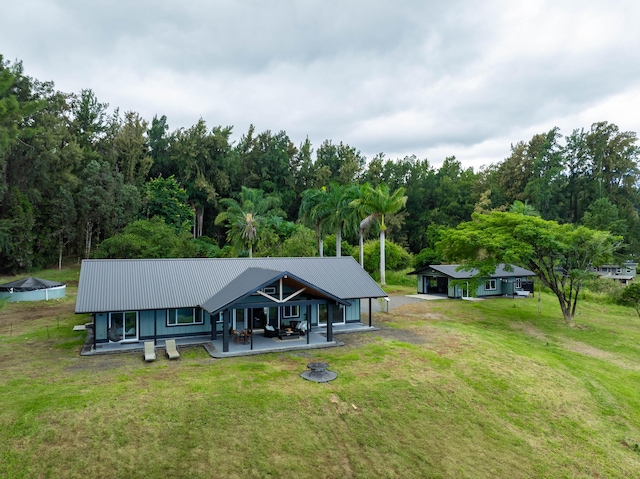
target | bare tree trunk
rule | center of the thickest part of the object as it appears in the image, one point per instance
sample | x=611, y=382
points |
x=321, y=247
x=383, y=280
x=361, y=248
x=199, y=221
x=89, y=235
x=339, y=242
x=60, y=246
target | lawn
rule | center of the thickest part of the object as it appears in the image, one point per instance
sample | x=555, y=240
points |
x=445, y=389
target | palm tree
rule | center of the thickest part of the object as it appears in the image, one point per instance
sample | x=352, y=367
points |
x=245, y=217
x=311, y=213
x=359, y=205
x=335, y=210
x=523, y=208
x=377, y=203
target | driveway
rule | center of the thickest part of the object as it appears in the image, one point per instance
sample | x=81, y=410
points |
x=395, y=301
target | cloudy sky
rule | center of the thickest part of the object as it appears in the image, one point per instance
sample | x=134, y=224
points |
x=431, y=78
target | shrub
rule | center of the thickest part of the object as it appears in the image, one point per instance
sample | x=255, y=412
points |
x=396, y=257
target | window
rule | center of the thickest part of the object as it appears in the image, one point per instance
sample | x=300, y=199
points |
x=518, y=283
x=291, y=311
x=182, y=316
x=490, y=285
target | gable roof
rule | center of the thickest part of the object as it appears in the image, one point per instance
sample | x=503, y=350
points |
x=147, y=284
x=250, y=281
x=451, y=271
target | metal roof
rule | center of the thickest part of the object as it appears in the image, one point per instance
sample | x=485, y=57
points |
x=140, y=284
x=251, y=281
x=451, y=270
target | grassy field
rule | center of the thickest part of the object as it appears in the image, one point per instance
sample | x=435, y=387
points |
x=445, y=389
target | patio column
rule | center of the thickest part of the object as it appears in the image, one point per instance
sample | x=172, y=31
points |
x=330, y=312
x=214, y=330
x=225, y=331
x=369, y=312
x=308, y=331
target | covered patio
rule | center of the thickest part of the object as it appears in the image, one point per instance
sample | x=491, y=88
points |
x=314, y=339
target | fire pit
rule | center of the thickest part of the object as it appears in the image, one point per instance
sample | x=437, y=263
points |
x=318, y=372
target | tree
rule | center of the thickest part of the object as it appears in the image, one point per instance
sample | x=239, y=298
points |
x=379, y=202
x=147, y=239
x=335, y=211
x=245, y=217
x=523, y=208
x=561, y=256
x=312, y=214
x=631, y=296
x=168, y=200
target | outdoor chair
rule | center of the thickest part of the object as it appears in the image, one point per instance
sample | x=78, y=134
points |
x=149, y=351
x=301, y=327
x=171, y=349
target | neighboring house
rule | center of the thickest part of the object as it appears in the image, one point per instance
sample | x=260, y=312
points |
x=437, y=279
x=207, y=300
x=624, y=273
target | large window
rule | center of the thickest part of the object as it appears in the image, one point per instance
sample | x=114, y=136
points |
x=490, y=285
x=291, y=311
x=182, y=317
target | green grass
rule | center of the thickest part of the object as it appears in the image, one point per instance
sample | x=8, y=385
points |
x=446, y=389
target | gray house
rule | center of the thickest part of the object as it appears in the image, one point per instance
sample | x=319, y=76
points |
x=448, y=279
x=624, y=273
x=229, y=304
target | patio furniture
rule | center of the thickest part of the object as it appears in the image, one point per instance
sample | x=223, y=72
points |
x=288, y=333
x=300, y=327
x=171, y=349
x=149, y=351
x=270, y=331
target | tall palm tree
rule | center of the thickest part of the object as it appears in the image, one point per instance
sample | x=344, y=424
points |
x=335, y=211
x=245, y=217
x=311, y=213
x=377, y=203
x=362, y=212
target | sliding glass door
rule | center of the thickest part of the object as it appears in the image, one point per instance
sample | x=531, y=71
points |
x=123, y=326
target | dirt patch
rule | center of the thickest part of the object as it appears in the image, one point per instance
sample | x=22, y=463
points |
x=530, y=330
x=15, y=313
x=587, y=350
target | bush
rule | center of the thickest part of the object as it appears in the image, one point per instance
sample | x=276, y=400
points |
x=330, y=246
x=602, y=290
x=426, y=257
x=396, y=257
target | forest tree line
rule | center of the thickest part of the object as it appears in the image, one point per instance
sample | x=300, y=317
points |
x=74, y=173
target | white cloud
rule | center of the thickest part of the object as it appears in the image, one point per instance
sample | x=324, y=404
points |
x=411, y=77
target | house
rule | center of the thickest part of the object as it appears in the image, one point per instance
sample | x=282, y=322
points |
x=232, y=304
x=624, y=273
x=449, y=279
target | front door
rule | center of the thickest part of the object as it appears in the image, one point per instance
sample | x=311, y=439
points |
x=123, y=326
